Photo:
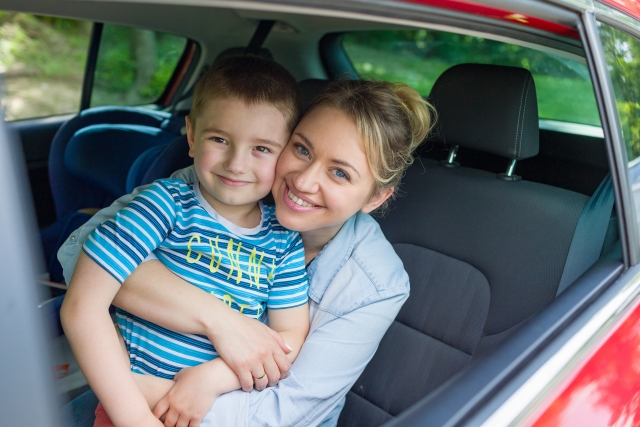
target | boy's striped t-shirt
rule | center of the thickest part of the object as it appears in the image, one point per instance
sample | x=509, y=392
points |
x=249, y=269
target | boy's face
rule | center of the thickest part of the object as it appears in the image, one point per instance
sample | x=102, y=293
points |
x=235, y=147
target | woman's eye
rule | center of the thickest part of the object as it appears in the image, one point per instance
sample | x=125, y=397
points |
x=340, y=174
x=263, y=149
x=302, y=150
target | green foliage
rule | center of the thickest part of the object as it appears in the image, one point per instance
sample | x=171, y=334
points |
x=50, y=47
x=622, y=52
x=418, y=57
x=117, y=67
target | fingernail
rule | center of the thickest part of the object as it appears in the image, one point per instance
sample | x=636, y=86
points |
x=290, y=349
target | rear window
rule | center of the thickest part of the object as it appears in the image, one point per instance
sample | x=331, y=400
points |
x=43, y=61
x=134, y=65
x=418, y=57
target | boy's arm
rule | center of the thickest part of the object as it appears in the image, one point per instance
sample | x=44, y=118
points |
x=293, y=325
x=88, y=326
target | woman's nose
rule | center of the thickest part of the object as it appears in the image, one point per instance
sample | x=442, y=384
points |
x=307, y=181
x=236, y=162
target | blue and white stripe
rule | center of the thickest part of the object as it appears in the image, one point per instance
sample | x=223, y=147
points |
x=250, y=270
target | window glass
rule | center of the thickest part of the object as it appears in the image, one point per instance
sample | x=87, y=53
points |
x=134, y=65
x=418, y=57
x=622, y=53
x=42, y=62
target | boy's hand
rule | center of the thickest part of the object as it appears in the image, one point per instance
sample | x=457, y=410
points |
x=189, y=400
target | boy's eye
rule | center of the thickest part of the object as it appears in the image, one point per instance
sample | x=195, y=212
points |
x=302, y=150
x=339, y=173
x=218, y=139
x=262, y=149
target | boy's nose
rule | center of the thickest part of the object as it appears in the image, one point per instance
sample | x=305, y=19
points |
x=236, y=163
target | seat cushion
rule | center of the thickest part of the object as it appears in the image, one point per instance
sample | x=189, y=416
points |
x=432, y=338
x=516, y=233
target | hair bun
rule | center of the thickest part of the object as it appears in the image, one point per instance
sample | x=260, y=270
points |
x=421, y=115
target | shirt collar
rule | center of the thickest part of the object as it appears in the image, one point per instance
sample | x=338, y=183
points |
x=329, y=261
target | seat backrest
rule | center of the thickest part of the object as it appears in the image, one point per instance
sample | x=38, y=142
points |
x=101, y=156
x=309, y=89
x=482, y=253
x=70, y=192
x=159, y=162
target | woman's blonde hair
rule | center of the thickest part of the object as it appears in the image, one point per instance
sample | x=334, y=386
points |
x=392, y=120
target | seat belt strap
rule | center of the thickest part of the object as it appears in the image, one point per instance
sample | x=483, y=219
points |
x=589, y=235
x=261, y=33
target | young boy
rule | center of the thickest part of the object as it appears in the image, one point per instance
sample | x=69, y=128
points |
x=215, y=233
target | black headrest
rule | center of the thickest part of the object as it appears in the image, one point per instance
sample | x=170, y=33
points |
x=309, y=89
x=489, y=108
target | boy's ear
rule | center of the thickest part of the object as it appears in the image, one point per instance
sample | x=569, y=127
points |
x=190, y=138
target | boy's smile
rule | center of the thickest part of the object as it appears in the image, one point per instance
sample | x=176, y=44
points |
x=235, y=147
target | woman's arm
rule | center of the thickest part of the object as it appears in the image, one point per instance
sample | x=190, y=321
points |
x=197, y=388
x=249, y=348
x=331, y=360
x=88, y=327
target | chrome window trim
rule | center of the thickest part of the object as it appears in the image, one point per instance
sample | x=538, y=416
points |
x=616, y=18
x=576, y=5
x=572, y=128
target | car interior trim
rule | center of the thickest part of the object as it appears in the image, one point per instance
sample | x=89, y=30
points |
x=573, y=128
x=184, y=68
x=90, y=69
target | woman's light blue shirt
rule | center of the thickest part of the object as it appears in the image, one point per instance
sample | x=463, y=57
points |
x=357, y=287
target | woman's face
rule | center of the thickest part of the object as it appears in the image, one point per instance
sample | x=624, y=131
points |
x=323, y=177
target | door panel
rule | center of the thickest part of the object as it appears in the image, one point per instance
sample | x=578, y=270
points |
x=35, y=137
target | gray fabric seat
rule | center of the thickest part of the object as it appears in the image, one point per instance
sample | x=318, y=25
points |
x=482, y=253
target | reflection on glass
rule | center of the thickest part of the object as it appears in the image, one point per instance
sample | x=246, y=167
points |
x=134, y=65
x=418, y=57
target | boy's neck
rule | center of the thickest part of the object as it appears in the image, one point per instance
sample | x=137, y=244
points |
x=245, y=216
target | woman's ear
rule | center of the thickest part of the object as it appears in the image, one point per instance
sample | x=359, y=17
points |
x=190, y=138
x=377, y=199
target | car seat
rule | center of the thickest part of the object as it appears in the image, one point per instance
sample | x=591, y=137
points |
x=90, y=158
x=484, y=252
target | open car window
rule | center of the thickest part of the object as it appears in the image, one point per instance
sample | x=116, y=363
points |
x=44, y=59
x=418, y=57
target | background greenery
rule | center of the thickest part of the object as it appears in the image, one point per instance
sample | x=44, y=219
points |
x=622, y=52
x=418, y=57
x=42, y=63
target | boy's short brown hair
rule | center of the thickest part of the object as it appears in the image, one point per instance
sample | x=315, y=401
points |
x=253, y=79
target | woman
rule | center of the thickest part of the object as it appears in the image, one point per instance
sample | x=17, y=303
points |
x=343, y=161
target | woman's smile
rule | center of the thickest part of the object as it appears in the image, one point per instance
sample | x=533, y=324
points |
x=298, y=199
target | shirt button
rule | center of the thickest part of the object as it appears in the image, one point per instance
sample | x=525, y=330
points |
x=73, y=238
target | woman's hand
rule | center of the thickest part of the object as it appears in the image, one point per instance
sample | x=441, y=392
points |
x=251, y=349
x=190, y=398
